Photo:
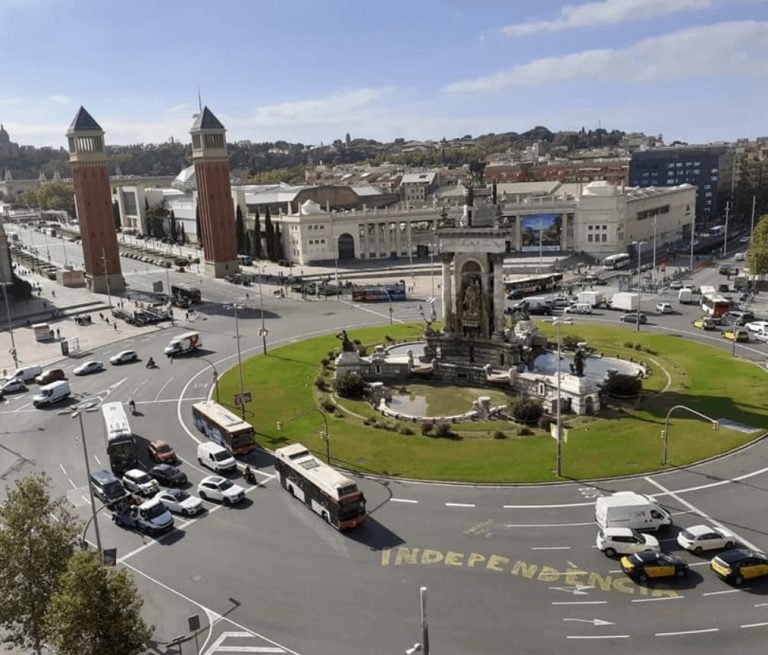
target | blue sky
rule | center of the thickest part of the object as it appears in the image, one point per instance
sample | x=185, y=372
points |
x=312, y=70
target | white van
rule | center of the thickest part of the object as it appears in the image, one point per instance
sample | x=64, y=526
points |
x=25, y=374
x=215, y=457
x=52, y=393
x=578, y=308
x=627, y=509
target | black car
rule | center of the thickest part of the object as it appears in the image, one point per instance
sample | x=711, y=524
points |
x=649, y=564
x=738, y=318
x=739, y=564
x=168, y=476
x=634, y=317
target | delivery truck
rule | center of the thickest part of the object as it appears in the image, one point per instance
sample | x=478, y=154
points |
x=184, y=343
x=594, y=298
x=626, y=302
x=628, y=509
x=685, y=296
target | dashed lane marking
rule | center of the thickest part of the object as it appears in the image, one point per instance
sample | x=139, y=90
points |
x=727, y=591
x=686, y=632
x=460, y=505
x=580, y=602
x=168, y=381
x=597, y=636
x=403, y=500
x=549, y=525
x=754, y=625
x=648, y=600
x=98, y=461
x=550, y=547
x=74, y=486
x=63, y=470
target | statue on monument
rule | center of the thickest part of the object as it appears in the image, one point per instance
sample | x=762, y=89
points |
x=471, y=310
x=579, y=358
x=346, y=345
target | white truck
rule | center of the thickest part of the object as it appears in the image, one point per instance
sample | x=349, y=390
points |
x=628, y=509
x=184, y=343
x=594, y=298
x=624, y=301
x=685, y=296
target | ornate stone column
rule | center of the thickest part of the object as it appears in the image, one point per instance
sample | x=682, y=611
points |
x=446, y=258
x=499, y=296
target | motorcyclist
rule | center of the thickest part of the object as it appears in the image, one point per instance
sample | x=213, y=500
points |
x=151, y=363
x=132, y=406
x=248, y=473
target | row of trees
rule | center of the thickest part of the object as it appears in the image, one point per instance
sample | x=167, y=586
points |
x=51, y=592
x=51, y=195
x=268, y=245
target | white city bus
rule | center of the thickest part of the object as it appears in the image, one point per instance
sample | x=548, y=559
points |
x=223, y=427
x=121, y=444
x=333, y=496
x=613, y=262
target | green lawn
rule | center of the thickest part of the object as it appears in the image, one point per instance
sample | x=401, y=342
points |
x=709, y=380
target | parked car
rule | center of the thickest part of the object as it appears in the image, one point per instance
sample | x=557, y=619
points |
x=739, y=564
x=676, y=284
x=124, y=357
x=51, y=375
x=738, y=318
x=180, y=502
x=14, y=385
x=214, y=487
x=704, y=323
x=168, y=476
x=634, y=317
x=160, y=451
x=643, y=566
x=139, y=482
x=624, y=541
x=738, y=334
x=91, y=366
x=699, y=538
x=664, y=308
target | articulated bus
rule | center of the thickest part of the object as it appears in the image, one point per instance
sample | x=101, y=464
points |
x=121, y=444
x=223, y=427
x=615, y=262
x=379, y=292
x=186, y=292
x=534, y=284
x=333, y=496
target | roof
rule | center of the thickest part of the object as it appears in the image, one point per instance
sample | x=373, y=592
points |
x=366, y=190
x=516, y=188
x=418, y=178
x=83, y=121
x=205, y=120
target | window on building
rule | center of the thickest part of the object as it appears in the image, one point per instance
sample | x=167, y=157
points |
x=589, y=238
x=605, y=238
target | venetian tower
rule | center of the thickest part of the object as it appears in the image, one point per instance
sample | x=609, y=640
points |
x=214, y=195
x=93, y=199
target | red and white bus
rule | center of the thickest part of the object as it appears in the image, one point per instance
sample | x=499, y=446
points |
x=713, y=304
x=333, y=496
x=223, y=427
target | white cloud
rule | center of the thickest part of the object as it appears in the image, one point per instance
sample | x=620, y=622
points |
x=58, y=99
x=736, y=48
x=604, y=12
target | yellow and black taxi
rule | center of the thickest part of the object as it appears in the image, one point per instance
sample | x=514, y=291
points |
x=736, y=334
x=648, y=565
x=739, y=564
x=704, y=323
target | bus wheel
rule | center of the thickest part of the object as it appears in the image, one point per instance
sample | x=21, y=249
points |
x=290, y=489
x=325, y=517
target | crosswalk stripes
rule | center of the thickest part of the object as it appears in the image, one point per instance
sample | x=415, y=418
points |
x=219, y=646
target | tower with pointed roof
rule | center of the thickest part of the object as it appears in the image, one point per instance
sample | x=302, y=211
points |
x=93, y=200
x=214, y=195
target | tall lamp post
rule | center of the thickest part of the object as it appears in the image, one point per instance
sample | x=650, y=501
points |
x=77, y=412
x=639, y=259
x=423, y=646
x=215, y=376
x=235, y=307
x=326, y=435
x=261, y=270
x=559, y=418
x=389, y=299
x=665, y=432
x=10, y=326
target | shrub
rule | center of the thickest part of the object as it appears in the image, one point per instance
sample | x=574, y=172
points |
x=526, y=410
x=426, y=427
x=545, y=422
x=349, y=385
x=498, y=434
x=443, y=430
x=639, y=346
x=357, y=342
x=328, y=405
x=320, y=383
x=404, y=429
x=388, y=338
x=325, y=362
x=524, y=432
x=571, y=340
x=362, y=351
x=629, y=344
x=623, y=385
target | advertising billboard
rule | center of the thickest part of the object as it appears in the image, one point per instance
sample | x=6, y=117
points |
x=541, y=232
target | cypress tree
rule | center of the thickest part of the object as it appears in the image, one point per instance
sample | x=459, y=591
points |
x=256, y=241
x=269, y=235
x=240, y=231
x=182, y=234
x=197, y=226
x=174, y=235
x=278, y=250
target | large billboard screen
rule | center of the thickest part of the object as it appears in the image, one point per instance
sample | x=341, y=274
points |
x=541, y=232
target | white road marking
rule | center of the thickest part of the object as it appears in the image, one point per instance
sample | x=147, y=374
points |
x=711, y=485
x=403, y=500
x=699, y=564
x=87, y=502
x=597, y=636
x=754, y=625
x=168, y=381
x=549, y=525
x=727, y=591
x=63, y=470
x=580, y=602
x=761, y=604
x=686, y=632
x=649, y=600
x=460, y=505
x=550, y=547
x=560, y=506
x=712, y=521
x=98, y=461
x=74, y=486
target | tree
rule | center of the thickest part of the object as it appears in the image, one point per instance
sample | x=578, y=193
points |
x=116, y=214
x=96, y=609
x=37, y=535
x=197, y=226
x=174, y=234
x=256, y=241
x=525, y=409
x=182, y=234
x=278, y=248
x=269, y=235
x=757, y=257
x=349, y=385
x=240, y=231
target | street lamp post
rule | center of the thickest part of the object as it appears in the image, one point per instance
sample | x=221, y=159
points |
x=326, y=435
x=423, y=646
x=653, y=265
x=215, y=376
x=559, y=418
x=725, y=241
x=261, y=270
x=639, y=259
x=10, y=326
x=665, y=432
x=389, y=299
x=239, y=360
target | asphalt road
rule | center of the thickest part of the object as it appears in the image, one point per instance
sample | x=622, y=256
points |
x=509, y=569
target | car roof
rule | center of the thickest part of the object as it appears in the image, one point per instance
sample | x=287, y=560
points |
x=158, y=442
x=134, y=472
x=698, y=530
x=618, y=532
x=216, y=479
x=737, y=554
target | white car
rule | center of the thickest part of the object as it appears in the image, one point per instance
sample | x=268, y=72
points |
x=139, y=482
x=124, y=357
x=214, y=487
x=739, y=257
x=664, y=308
x=91, y=366
x=757, y=326
x=699, y=538
x=13, y=385
x=180, y=502
x=625, y=541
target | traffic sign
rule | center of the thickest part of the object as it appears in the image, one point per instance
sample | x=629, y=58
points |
x=243, y=398
x=263, y=332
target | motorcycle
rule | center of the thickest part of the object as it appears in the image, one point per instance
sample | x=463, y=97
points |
x=151, y=363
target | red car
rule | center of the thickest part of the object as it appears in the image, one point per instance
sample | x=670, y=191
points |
x=160, y=451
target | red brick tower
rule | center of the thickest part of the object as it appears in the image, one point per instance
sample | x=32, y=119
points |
x=94, y=204
x=214, y=195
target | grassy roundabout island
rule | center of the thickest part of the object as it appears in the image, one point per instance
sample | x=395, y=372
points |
x=288, y=386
